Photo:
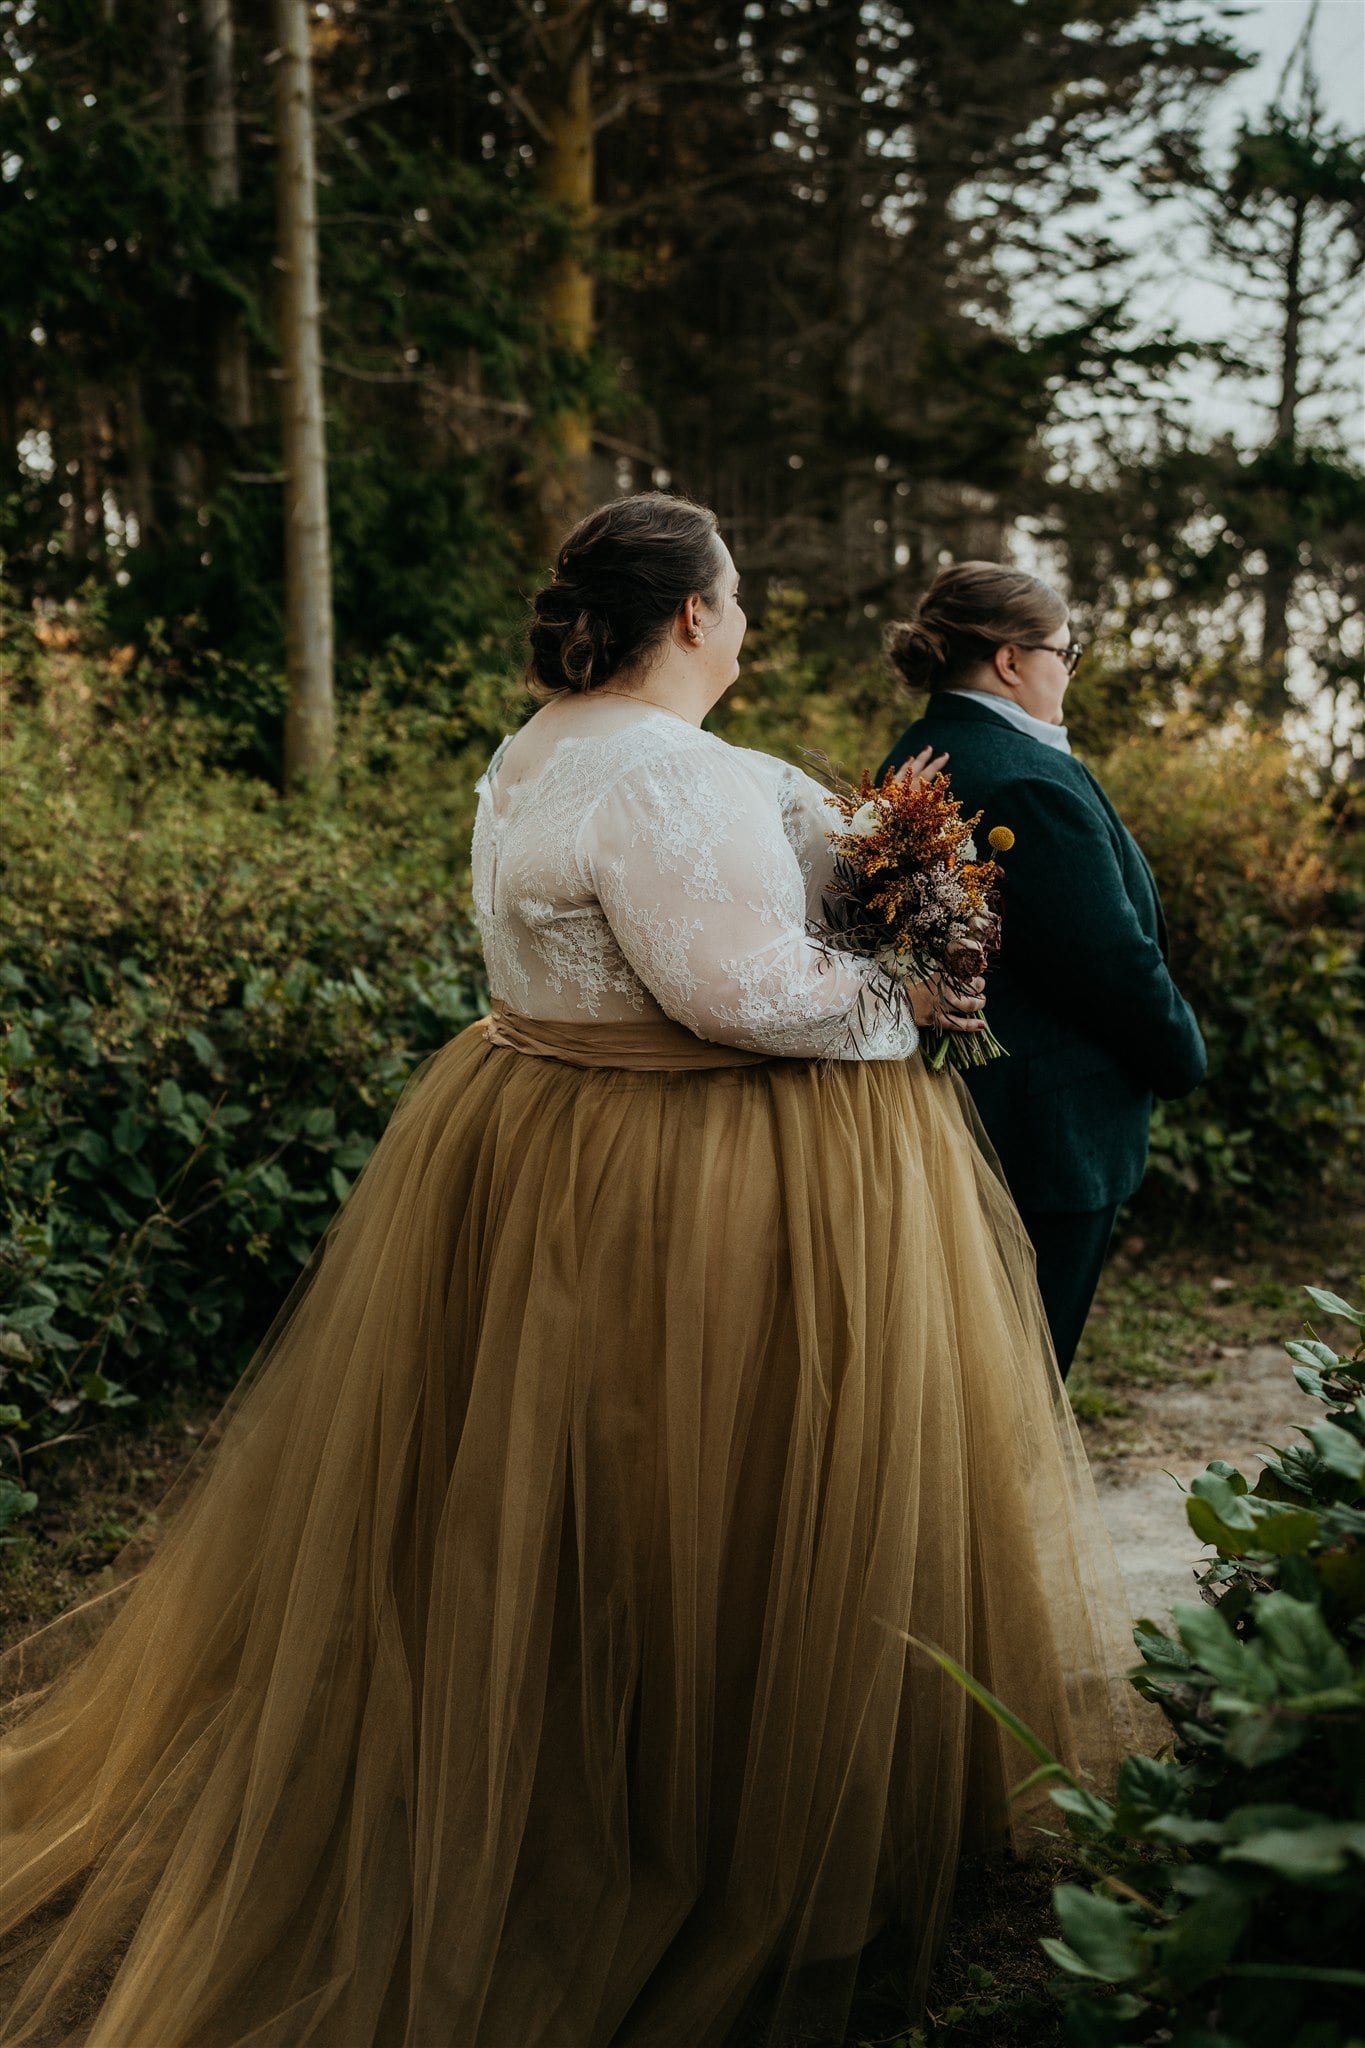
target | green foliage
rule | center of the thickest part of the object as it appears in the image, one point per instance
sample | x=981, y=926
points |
x=1266, y=923
x=802, y=695
x=1227, y=1877
x=208, y=1006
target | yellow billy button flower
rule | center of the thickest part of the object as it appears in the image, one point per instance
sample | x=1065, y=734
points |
x=1000, y=838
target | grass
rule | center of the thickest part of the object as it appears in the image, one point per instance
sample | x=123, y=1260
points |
x=1181, y=1311
x=991, y=1987
x=102, y=1493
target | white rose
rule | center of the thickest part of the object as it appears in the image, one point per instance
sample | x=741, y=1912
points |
x=866, y=821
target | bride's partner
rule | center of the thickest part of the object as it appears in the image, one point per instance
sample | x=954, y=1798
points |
x=524, y=1665
x=1082, y=998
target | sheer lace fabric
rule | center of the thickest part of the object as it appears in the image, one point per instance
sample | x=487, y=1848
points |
x=654, y=870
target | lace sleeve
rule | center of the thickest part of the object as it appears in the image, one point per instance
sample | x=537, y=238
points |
x=706, y=899
x=809, y=815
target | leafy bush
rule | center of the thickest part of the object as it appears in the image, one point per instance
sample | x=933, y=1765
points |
x=1267, y=922
x=1227, y=1885
x=208, y=1005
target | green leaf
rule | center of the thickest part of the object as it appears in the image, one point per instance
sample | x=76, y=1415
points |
x=34, y=1316
x=1209, y=1528
x=14, y=1501
x=129, y=1131
x=1265, y=1739
x=1283, y=1532
x=105, y=1393
x=1302, y=1854
x=1185, y=1831
x=1158, y=1649
x=202, y=1047
x=1227, y=1501
x=1201, y=1940
x=91, y=1147
x=133, y=1176
x=169, y=1099
x=1086, y=1811
x=1339, y=1450
x=1102, y=1934
x=1215, y=1649
x=1311, y=1353
x=9, y=1415
x=1304, y=1654
x=1333, y=1305
x=1146, y=1786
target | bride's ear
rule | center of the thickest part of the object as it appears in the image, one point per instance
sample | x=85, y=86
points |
x=690, y=621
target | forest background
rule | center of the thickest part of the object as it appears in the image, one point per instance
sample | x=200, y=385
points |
x=321, y=320
x=886, y=285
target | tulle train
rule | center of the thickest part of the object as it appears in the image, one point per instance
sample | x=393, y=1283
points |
x=524, y=1663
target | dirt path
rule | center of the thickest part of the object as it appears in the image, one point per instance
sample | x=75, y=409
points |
x=1230, y=1410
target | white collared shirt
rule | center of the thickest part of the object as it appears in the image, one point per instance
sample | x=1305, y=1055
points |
x=1014, y=714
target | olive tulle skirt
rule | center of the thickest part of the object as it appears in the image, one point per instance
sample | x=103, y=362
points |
x=524, y=1663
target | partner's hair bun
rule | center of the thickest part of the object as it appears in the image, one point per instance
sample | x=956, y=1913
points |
x=918, y=651
x=570, y=648
x=969, y=610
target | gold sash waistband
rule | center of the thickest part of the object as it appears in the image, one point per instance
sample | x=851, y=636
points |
x=654, y=1045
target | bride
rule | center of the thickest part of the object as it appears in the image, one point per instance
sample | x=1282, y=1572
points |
x=525, y=1663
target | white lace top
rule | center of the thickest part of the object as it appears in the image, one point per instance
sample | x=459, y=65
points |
x=656, y=869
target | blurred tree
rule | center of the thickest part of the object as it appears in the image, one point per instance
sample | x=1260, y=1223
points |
x=565, y=161
x=817, y=260
x=1216, y=558
x=223, y=183
x=310, y=712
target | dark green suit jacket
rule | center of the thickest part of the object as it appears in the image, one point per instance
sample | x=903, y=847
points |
x=1080, y=994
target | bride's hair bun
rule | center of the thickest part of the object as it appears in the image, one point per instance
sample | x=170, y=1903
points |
x=968, y=611
x=620, y=579
x=570, y=649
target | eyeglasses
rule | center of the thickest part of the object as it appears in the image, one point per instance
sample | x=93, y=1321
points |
x=1068, y=656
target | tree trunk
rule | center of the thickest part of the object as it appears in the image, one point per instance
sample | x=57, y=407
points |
x=222, y=176
x=170, y=54
x=1281, y=570
x=563, y=447
x=310, y=716
x=137, y=457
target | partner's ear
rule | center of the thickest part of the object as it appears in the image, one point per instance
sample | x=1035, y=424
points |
x=1006, y=667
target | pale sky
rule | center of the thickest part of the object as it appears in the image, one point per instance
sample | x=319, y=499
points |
x=1178, y=290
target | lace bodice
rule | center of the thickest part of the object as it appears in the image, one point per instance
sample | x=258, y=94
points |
x=657, y=870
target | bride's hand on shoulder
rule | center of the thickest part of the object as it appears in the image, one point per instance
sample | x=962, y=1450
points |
x=939, y=1006
x=921, y=767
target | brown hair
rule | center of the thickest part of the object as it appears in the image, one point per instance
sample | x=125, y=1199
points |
x=620, y=579
x=969, y=610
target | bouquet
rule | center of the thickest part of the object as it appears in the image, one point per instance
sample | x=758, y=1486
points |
x=910, y=894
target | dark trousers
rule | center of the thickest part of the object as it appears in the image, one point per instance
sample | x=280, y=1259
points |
x=1071, y=1245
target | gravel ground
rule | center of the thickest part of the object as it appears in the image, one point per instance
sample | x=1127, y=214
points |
x=1233, y=1410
